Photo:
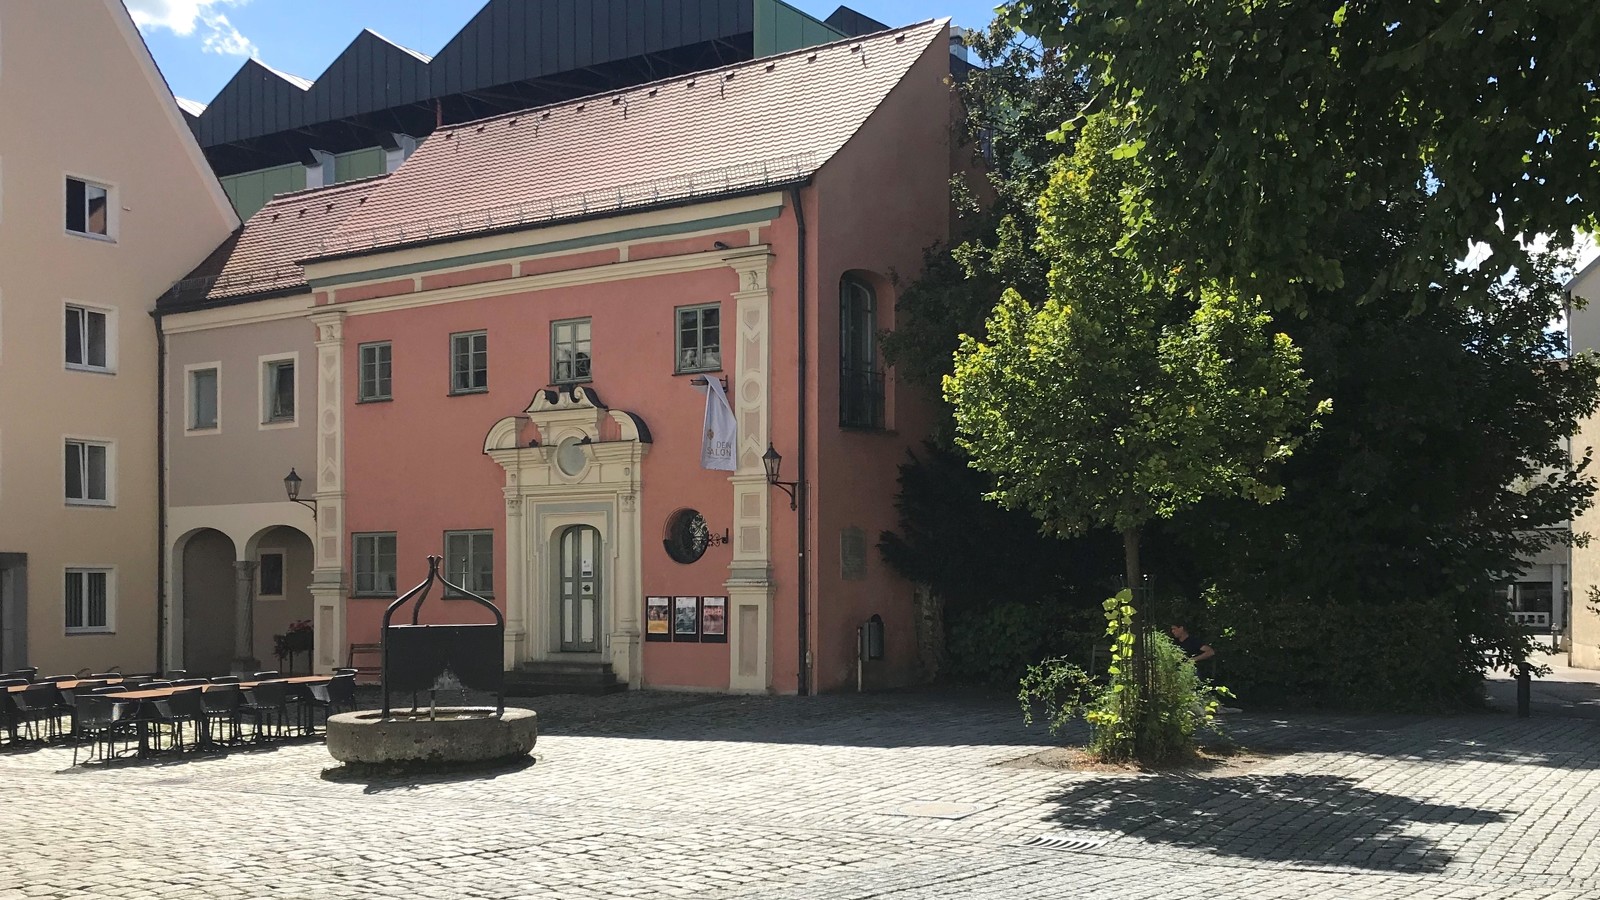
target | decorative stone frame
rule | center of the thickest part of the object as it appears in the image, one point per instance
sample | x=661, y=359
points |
x=542, y=501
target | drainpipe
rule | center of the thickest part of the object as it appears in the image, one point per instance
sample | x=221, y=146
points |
x=161, y=493
x=802, y=496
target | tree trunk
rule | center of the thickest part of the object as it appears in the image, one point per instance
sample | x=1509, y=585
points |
x=1130, y=558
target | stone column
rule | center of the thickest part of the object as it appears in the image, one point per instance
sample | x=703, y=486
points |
x=244, y=618
x=749, y=583
x=515, y=593
x=327, y=571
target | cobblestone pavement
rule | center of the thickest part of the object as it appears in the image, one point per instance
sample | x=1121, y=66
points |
x=893, y=797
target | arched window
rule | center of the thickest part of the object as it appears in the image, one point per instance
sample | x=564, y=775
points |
x=860, y=381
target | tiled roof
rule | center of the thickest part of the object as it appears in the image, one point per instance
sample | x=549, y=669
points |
x=263, y=256
x=774, y=120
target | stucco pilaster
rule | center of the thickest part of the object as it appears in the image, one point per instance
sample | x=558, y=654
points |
x=327, y=574
x=749, y=581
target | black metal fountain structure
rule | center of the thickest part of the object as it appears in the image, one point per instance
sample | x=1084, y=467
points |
x=432, y=659
x=421, y=658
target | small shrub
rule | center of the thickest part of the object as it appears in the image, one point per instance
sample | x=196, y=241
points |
x=1155, y=726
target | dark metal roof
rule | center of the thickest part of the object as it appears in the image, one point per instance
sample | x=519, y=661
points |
x=848, y=21
x=513, y=54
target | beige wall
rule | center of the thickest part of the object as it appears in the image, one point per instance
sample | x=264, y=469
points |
x=1584, y=332
x=102, y=113
x=240, y=461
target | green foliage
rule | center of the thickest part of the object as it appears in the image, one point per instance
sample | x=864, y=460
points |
x=1261, y=121
x=1155, y=723
x=1012, y=104
x=997, y=642
x=1393, y=654
x=1444, y=461
x=1120, y=400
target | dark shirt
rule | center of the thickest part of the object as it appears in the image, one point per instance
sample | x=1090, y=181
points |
x=1192, y=645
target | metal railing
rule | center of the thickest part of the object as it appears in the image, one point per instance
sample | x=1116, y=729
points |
x=860, y=398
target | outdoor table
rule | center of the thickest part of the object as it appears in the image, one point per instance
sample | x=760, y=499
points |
x=142, y=718
x=69, y=685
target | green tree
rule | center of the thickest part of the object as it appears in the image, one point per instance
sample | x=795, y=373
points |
x=1121, y=400
x=1261, y=121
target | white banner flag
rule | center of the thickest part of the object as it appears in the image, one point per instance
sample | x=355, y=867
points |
x=721, y=434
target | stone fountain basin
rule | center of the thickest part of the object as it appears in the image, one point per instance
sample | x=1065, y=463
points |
x=454, y=734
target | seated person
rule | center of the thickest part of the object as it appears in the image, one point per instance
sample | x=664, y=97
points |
x=1193, y=647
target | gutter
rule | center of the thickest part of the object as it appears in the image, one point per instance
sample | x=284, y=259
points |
x=802, y=495
x=161, y=493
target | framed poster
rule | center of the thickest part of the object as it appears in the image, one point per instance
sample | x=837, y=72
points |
x=658, y=618
x=686, y=618
x=714, y=620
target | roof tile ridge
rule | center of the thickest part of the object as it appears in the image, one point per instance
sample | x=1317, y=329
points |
x=877, y=36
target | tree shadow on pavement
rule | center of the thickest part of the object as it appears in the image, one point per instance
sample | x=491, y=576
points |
x=1302, y=819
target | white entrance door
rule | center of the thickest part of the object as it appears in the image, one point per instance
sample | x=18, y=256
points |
x=578, y=587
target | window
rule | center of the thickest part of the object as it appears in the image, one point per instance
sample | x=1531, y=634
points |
x=278, y=381
x=469, y=561
x=88, y=600
x=374, y=565
x=88, y=208
x=860, y=382
x=202, y=399
x=469, y=362
x=87, y=339
x=569, y=353
x=374, y=380
x=88, y=473
x=699, y=344
x=269, y=570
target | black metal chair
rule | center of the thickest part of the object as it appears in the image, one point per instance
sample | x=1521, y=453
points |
x=25, y=674
x=99, y=676
x=188, y=682
x=263, y=676
x=267, y=703
x=222, y=705
x=179, y=709
x=335, y=696
x=100, y=720
x=39, y=703
x=225, y=679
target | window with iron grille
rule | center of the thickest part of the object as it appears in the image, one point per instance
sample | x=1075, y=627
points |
x=569, y=351
x=374, y=564
x=860, y=382
x=700, y=338
x=269, y=571
x=469, y=561
x=469, y=362
x=88, y=600
x=374, y=377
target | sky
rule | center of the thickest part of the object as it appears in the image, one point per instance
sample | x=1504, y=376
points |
x=200, y=44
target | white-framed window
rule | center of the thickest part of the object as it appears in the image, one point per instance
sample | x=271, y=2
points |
x=89, y=208
x=469, y=561
x=278, y=387
x=90, y=343
x=570, y=351
x=89, y=600
x=374, y=382
x=373, y=554
x=699, y=339
x=469, y=362
x=204, y=386
x=269, y=573
x=88, y=472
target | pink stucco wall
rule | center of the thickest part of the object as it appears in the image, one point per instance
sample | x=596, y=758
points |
x=881, y=201
x=415, y=464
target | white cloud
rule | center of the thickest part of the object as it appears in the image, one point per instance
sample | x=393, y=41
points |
x=186, y=18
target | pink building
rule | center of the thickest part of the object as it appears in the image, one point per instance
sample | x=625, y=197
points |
x=511, y=338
